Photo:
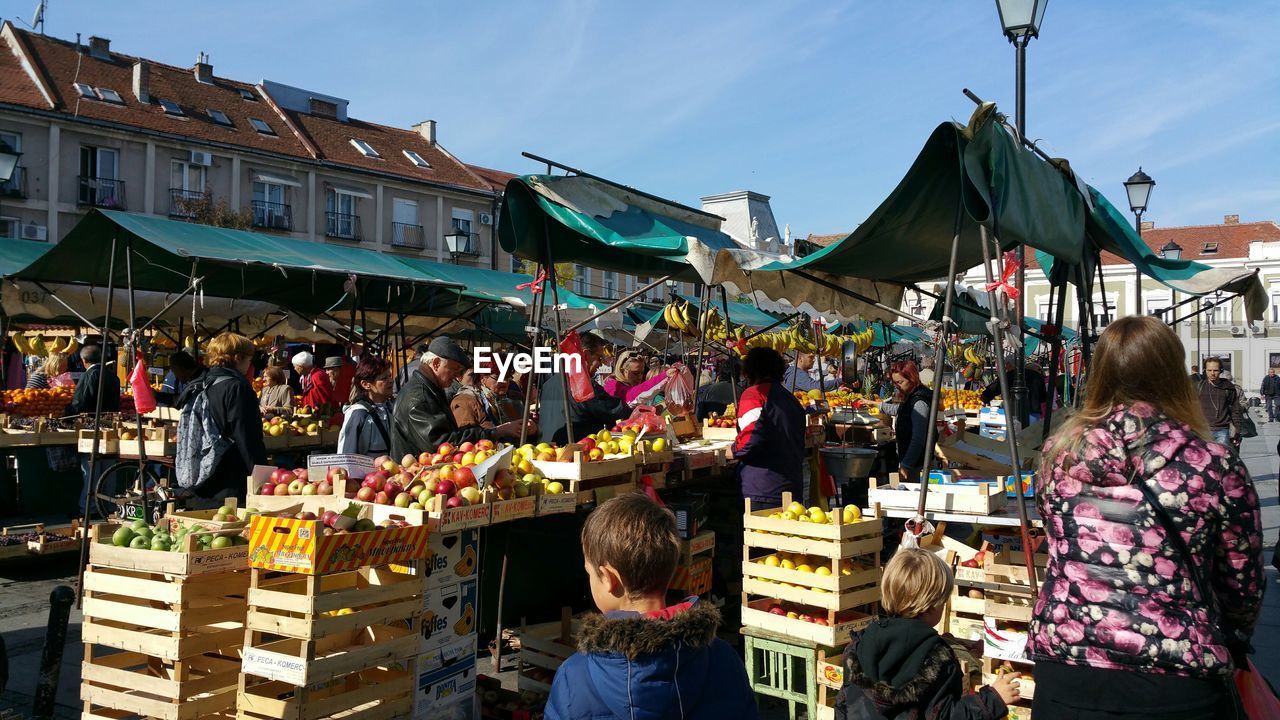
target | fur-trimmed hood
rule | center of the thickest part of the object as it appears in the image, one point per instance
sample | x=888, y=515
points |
x=915, y=691
x=633, y=635
x=637, y=667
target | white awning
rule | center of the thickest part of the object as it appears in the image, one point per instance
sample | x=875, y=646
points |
x=351, y=190
x=275, y=178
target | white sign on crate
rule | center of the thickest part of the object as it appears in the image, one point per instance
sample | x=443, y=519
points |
x=274, y=666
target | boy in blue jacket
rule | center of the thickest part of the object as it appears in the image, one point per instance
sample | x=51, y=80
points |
x=640, y=659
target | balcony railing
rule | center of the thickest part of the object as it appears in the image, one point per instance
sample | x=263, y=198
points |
x=186, y=203
x=273, y=216
x=16, y=185
x=342, y=225
x=101, y=192
x=407, y=236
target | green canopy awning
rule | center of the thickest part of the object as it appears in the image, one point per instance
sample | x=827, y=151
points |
x=17, y=254
x=511, y=288
x=308, y=277
x=969, y=315
x=605, y=226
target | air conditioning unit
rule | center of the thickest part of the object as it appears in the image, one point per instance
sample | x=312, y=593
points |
x=1237, y=330
x=1257, y=328
x=32, y=231
x=486, y=219
x=201, y=158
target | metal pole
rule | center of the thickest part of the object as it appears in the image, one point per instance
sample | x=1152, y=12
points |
x=550, y=266
x=733, y=376
x=534, y=329
x=1012, y=437
x=1055, y=356
x=55, y=641
x=1137, y=271
x=97, y=430
x=619, y=303
x=1020, y=379
x=131, y=352
x=704, y=299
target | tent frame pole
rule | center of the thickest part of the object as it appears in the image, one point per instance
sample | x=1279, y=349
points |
x=777, y=323
x=614, y=305
x=704, y=301
x=939, y=352
x=733, y=376
x=131, y=352
x=549, y=267
x=1055, y=356
x=859, y=296
x=87, y=322
x=97, y=425
x=997, y=332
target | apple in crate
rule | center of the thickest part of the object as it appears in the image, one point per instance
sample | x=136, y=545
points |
x=403, y=500
x=446, y=488
x=463, y=477
x=382, y=498
x=366, y=494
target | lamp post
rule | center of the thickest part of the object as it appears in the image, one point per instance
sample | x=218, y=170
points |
x=1020, y=20
x=1138, y=187
x=457, y=243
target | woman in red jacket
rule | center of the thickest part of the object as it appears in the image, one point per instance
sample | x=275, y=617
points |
x=317, y=390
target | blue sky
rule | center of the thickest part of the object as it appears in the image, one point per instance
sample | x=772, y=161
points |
x=821, y=105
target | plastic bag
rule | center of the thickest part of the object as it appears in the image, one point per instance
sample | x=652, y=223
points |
x=579, y=379
x=680, y=390
x=645, y=416
x=144, y=400
x=1256, y=694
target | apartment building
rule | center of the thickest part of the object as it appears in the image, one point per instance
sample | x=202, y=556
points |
x=98, y=128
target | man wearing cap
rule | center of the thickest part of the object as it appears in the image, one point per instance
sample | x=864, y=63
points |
x=1035, y=387
x=317, y=389
x=422, y=419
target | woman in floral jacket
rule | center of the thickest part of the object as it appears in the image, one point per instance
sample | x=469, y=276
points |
x=1119, y=628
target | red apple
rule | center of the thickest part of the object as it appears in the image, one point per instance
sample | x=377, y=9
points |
x=463, y=477
x=485, y=444
x=377, y=462
x=777, y=610
x=504, y=478
x=392, y=488
x=445, y=487
x=467, y=447
x=302, y=474
x=424, y=458
x=455, y=502
x=366, y=494
x=587, y=443
x=382, y=498
x=328, y=517
x=267, y=489
x=280, y=475
x=457, y=457
x=403, y=499
x=324, y=487
x=445, y=449
x=336, y=475
x=306, y=515
x=281, y=489
x=404, y=478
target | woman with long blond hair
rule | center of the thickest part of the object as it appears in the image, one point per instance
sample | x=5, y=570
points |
x=1154, y=580
x=49, y=372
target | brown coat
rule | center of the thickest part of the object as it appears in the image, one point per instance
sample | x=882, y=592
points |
x=468, y=410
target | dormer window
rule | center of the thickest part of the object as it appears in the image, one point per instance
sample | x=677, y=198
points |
x=219, y=117
x=1210, y=248
x=416, y=159
x=86, y=91
x=247, y=94
x=109, y=95
x=171, y=108
x=365, y=148
x=261, y=126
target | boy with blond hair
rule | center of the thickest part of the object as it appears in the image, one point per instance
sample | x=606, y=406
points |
x=641, y=658
x=900, y=668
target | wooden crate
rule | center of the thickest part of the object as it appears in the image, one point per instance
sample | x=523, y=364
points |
x=694, y=577
x=108, y=441
x=56, y=540
x=300, y=546
x=305, y=606
x=585, y=472
x=841, y=540
x=718, y=433
x=704, y=543
x=1026, y=683
x=1013, y=601
x=543, y=649
x=159, y=645
x=190, y=561
x=204, y=519
x=374, y=694
x=980, y=499
x=513, y=509
x=311, y=662
x=336, y=500
x=654, y=459
x=437, y=518
x=756, y=613
x=159, y=441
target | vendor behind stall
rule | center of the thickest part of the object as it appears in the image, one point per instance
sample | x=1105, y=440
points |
x=422, y=419
x=600, y=411
x=910, y=411
x=771, y=427
x=317, y=389
x=798, y=376
x=629, y=380
x=182, y=370
x=277, y=396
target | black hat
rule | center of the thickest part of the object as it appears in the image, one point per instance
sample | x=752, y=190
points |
x=445, y=347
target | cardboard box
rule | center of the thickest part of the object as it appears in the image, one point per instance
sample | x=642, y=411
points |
x=452, y=655
x=449, y=613
x=300, y=546
x=691, y=513
x=452, y=558
x=447, y=695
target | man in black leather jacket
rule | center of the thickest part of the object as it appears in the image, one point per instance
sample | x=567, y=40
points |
x=421, y=420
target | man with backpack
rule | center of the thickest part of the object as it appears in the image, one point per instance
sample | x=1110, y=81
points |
x=220, y=429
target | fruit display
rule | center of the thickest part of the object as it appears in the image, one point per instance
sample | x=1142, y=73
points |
x=966, y=399
x=961, y=354
x=855, y=400
x=279, y=425
x=36, y=344
x=140, y=535
x=799, y=513
x=729, y=419
x=299, y=482
x=36, y=402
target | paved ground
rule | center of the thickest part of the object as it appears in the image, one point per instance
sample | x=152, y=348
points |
x=25, y=588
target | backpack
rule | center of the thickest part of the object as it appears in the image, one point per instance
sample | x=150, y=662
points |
x=201, y=443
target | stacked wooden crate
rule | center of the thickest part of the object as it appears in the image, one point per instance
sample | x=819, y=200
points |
x=162, y=629
x=815, y=581
x=543, y=649
x=330, y=627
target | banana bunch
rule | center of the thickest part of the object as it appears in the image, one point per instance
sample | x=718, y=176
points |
x=37, y=344
x=864, y=339
x=971, y=355
x=794, y=339
x=679, y=316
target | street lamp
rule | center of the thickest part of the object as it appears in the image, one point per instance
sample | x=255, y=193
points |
x=1171, y=251
x=1138, y=186
x=458, y=243
x=1020, y=20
